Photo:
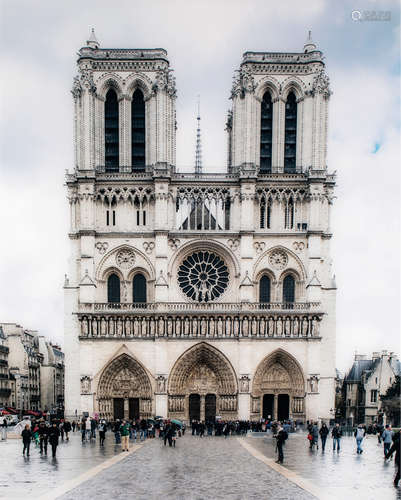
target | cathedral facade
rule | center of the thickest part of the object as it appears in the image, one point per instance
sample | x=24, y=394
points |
x=189, y=294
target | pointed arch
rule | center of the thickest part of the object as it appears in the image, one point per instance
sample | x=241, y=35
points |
x=138, y=131
x=124, y=377
x=266, y=132
x=111, y=131
x=279, y=372
x=207, y=359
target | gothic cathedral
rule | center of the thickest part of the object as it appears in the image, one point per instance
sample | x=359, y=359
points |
x=194, y=295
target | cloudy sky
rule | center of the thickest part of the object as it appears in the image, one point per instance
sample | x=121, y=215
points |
x=205, y=41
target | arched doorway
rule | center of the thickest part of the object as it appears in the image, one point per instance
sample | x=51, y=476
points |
x=278, y=388
x=194, y=407
x=124, y=390
x=202, y=385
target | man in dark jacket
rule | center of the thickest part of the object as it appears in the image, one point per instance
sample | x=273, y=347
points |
x=395, y=448
x=324, y=431
x=168, y=434
x=26, y=439
x=281, y=438
x=43, y=432
x=336, y=434
x=67, y=429
x=54, y=434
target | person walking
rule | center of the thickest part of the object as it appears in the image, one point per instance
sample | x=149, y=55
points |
x=67, y=429
x=73, y=425
x=315, y=436
x=125, y=435
x=93, y=428
x=359, y=434
x=281, y=438
x=43, y=432
x=4, y=426
x=88, y=426
x=26, y=439
x=168, y=434
x=395, y=448
x=83, y=429
x=387, y=437
x=336, y=434
x=324, y=431
x=116, y=430
x=102, y=431
x=54, y=434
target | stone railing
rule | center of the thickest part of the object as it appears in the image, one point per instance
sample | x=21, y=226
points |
x=296, y=323
x=196, y=307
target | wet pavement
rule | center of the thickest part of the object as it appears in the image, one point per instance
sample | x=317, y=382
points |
x=198, y=468
x=345, y=475
x=22, y=478
x=208, y=468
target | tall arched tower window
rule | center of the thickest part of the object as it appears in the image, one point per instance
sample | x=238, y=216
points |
x=264, y=289
x=111, y=134
x=289, y=289
x=290, y=146
x=139, y=288
x=266, y=129
x=113, y=288
x=138, y=131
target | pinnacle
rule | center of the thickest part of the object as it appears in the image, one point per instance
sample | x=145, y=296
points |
x=93, y=42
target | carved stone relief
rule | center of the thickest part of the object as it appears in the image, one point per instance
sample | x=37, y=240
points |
x=148, y=246
x=125, y=258
x=278, y=259
x=259, y=246
x=102, y=246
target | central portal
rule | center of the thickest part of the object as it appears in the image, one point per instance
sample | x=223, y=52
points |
x=202, y=384
x=194, y=407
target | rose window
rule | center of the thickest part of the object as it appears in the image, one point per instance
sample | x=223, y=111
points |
x=203, y=276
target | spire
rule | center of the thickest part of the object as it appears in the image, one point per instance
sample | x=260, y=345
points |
x=92, y=42
x=198, y=150
x=309, y=46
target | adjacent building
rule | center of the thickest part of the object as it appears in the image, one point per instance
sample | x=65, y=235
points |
x=5, y=382
x=365, y=383
x=33, y=369
x=51, y=376
x=194, y=294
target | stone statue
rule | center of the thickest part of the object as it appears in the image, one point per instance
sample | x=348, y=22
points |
x=244, y=383
x=85, y=385
x=161, y=384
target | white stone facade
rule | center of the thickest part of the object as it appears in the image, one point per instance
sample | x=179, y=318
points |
x=205, y=336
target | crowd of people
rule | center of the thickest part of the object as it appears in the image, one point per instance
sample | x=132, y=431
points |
x=43, y=434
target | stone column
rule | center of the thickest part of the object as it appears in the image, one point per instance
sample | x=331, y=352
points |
x=126, y=408
x=275, y=407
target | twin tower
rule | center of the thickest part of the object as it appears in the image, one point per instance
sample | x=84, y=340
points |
x=195, y=295
x=125, y=117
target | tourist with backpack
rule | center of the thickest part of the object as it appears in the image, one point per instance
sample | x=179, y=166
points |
x=359, y=434
x=281, y=438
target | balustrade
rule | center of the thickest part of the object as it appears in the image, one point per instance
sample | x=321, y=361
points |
x=146, y=307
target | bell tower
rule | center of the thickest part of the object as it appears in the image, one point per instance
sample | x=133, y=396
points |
x=124, y=109
x=279, y=111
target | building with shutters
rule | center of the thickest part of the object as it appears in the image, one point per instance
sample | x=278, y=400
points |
x=196, y=294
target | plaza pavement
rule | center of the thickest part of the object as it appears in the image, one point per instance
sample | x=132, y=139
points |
x=199, y=468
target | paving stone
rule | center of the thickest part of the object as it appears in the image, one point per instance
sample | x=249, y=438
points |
x=345, y=475
x=208, y=468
